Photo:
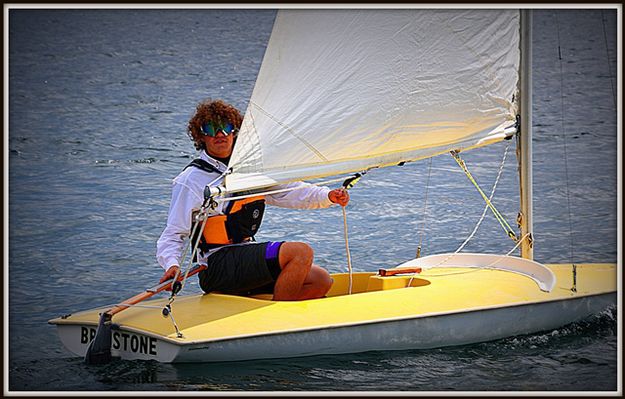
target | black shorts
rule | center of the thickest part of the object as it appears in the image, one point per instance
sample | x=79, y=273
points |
x=246, y=269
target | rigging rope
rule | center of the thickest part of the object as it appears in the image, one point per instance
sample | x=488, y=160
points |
x=492, y=194
x=201, y=216
x=502, y=221
x=566, y=167
x=176, y=286
x=607, y=51
x=479, y=222
x=563, y=129
x=425, y=207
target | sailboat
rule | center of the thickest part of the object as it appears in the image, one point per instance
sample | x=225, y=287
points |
x=341, y=92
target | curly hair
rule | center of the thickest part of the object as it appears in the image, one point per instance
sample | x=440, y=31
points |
x=211, y=111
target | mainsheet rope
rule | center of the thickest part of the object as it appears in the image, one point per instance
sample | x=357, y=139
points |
x=349, y=256
x=348, y=184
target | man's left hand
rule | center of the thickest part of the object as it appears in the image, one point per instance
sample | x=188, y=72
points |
x=339, y=196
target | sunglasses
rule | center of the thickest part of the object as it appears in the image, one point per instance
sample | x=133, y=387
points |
x=211, y=129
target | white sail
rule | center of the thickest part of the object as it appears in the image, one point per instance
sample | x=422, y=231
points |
x=346, y=90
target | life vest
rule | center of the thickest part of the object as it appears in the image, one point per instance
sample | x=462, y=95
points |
x=239, y=221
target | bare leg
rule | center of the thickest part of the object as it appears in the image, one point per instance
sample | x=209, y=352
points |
x=299, y=279
x=317, y=283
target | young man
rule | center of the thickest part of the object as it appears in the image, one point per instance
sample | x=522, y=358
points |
x=235, y=263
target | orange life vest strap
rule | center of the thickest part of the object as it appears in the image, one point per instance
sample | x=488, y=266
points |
x=216, y=231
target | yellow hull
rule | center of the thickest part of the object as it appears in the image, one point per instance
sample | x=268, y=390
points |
x=443, y=306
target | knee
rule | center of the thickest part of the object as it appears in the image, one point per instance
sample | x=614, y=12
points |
x=323, y=276
x=300, y=252
x=307, y=254
x=321, y=280
x=327, y=282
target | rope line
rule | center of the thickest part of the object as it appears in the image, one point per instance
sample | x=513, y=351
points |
x=349, y=257
x=425, y=207
x=607, y=52
x=563, y=129
x=486, y=207
x=348, y=184
x=200, y=216
x=479, y=222
x=502, y=221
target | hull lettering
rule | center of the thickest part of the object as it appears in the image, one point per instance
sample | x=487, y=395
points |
x=123, y=341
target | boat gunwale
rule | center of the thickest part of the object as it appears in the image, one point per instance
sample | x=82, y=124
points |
x=181, y=344
x=63, y=319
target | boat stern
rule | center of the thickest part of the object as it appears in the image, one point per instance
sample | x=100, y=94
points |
x=127, y=344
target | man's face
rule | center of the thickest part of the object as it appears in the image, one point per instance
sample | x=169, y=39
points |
x=219, y=146
x=218, y=140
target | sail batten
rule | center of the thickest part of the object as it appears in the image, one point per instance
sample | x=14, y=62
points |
x=347, y=90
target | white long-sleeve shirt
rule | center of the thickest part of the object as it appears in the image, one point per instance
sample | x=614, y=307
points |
x=188, y=196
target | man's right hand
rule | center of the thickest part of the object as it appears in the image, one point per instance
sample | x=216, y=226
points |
x=169, y=274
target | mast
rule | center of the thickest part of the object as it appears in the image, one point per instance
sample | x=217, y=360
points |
x=525, y=136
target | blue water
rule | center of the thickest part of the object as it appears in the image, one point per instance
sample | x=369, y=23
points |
x=98, y=105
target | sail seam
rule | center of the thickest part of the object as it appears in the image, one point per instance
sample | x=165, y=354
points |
x=255, y=130
x=291, y=131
